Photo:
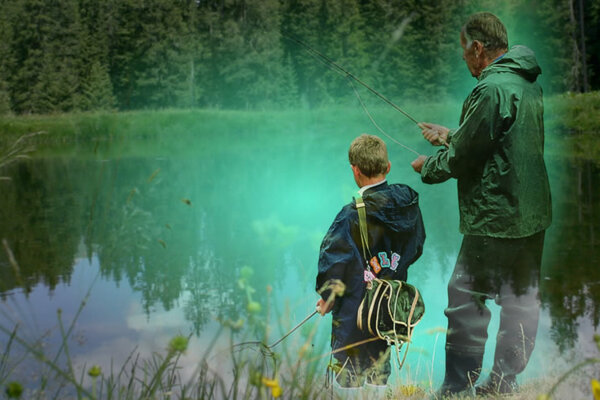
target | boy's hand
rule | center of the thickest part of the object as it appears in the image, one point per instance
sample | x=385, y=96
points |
x=323, y=307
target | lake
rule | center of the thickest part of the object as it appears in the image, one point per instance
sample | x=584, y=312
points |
x=112, y=245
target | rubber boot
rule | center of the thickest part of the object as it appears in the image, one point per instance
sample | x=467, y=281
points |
x=376, y=392
x=497, y=385
x=352, y=393
x=462, y=371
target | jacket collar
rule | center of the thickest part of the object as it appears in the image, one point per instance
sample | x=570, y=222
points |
x=372, y=188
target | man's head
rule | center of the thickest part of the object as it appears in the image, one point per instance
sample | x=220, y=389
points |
x=483, y=38
x=369, y=159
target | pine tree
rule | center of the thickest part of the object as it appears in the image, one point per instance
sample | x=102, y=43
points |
x=4, y=98
x=161, y=68
x=392, y=33
x=46, y=56
x=301, y=21
x=5, y=57
x=192, y=50
x=122, y=27
x=342, y=36
x=97, y=93
x=254, y=70
x=207, y=27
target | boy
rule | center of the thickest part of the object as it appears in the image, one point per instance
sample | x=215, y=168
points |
x=396, y=236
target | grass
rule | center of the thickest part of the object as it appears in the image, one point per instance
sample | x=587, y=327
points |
x=17, y=150
x=182, y=131
x=569, y=117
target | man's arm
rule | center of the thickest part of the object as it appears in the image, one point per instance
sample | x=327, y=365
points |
x=470, y=143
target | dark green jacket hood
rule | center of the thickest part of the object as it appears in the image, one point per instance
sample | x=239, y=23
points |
x=520, y=60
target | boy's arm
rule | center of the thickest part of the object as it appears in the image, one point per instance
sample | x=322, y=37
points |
x=335, y=254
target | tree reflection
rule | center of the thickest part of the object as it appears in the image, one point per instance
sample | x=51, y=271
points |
x=163, y=227
x=54, y=211
x=36, y=226
x=572, y=285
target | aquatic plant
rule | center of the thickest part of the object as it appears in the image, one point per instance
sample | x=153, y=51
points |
x=16, y=151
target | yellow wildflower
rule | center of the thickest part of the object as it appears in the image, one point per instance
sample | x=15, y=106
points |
x=276, y=391
x=273, y=384
x=269, y=382
x=543, y=397
x=596, y=389
x=95, y=371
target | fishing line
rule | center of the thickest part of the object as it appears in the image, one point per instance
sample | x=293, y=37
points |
x=348, y=74
x=332, y=65
x=364, y=107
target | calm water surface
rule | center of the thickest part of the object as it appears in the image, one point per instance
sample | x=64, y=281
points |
x=134, y=249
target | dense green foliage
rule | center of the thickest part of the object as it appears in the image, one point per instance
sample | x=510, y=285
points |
x=72, y=55
x=580, y=117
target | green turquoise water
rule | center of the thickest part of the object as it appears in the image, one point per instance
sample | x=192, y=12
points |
x=153, y=232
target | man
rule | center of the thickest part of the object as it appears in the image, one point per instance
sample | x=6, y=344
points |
x=396, y=236
x=496, y=155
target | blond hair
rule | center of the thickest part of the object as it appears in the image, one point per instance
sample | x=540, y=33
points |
x=369, y=154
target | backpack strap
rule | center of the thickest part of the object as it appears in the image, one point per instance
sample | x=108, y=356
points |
x=362, y=222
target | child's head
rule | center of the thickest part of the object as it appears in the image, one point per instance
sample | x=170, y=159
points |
x=369, y=154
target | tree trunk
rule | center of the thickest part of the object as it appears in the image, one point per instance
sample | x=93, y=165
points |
x=584, y=71
x=574, y=84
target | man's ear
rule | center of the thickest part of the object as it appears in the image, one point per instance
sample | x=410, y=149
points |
x=387, y=171
x=477, y=47
x=356, y=171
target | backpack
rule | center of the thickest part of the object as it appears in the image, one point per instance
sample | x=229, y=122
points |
x=390, y=309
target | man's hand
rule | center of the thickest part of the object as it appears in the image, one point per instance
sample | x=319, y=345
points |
x=434, y=134
x=323, y=307
x=418, y=163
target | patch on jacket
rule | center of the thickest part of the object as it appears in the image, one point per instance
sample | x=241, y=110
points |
x=381, y=261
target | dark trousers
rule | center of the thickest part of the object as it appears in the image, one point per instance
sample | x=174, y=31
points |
x=506, y=271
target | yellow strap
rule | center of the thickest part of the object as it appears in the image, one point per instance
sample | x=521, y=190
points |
x=362, y=222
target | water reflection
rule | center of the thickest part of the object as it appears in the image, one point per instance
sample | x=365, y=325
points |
x=571, y=289
x=172, y=226
x=138, y=228
x=41, y=225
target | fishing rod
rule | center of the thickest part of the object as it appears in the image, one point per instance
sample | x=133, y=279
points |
x=294, y=328
x=347, y=73
x=351, y=77
x=269, y=347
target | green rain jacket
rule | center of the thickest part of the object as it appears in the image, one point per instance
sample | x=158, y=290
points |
x=496, y=154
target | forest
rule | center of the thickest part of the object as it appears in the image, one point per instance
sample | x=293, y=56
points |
x=86, y=55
